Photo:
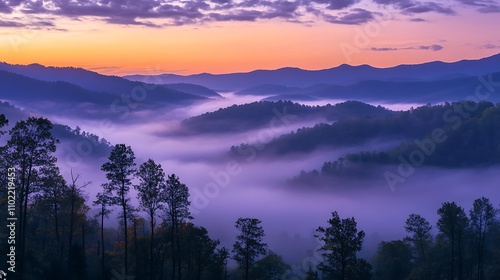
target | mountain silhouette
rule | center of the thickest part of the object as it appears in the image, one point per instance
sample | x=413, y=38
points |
x=341, y=75
x=94, y=81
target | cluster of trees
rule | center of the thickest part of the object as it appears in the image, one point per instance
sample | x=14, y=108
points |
x=259, y=114
x=467, y=138
x=466, y=246
x=412, y=124
x=57, y=238
x=475, y=134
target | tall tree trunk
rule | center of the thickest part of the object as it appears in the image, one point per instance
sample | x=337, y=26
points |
x=422, y=249
x=247, y=267
x=161, y=263
x=460, y=256
x=343, y=264
x=136, y=251
x=173, y=251
x=61, y=246
x=124, y=205
x=57, y=222
x=452, y=276
x=102, y=242
x=83, y=240
x=71, y=220
x=23, y=214
x=151, y=262
x=179, y=260
x=23, y=234
x=189, y=262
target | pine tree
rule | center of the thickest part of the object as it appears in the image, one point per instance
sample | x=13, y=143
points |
x=249, y=244
x=119, y=171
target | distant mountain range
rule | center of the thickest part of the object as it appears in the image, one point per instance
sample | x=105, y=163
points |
x=69, y=91
x=70, y=99
x=102, y=83
x=382, y=91
x=194, y=90
x=342, y=75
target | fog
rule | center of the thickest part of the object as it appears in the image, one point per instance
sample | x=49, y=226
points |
x=223, y=190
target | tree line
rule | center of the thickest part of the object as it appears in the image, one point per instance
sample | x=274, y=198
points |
x=58, y=238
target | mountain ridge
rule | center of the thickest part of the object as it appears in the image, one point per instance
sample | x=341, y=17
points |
x=341, y=75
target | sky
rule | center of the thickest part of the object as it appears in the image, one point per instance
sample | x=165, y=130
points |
x=123, y=37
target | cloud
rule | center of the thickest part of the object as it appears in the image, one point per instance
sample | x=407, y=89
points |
x=410, y=7
x=431, y=47
x=355, y=16
x=7, y=23
x=419, y=8
x=160, y=13
x=5, y=8
x=483, y=6
x=44, y=23
x=490, y=9
x=384, y=49
x=243, y=15
x=336, y=4
x=418, y=20
x=489, y=46
x=129, y=21
x=423, y=47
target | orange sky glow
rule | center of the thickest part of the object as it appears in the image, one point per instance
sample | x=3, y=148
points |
x=229, y=46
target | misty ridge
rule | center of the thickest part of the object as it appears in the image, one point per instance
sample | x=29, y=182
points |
x=469, y=127
x=257, y=115
x=274, y=154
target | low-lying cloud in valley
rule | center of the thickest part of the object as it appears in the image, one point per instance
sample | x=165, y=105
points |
x=223, y=189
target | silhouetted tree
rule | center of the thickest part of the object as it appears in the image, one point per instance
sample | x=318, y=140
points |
x=119, y=170
x=393, y=260
x=53, y=189
x=481, y=216
x=75, y=193
x=452, y=224
x=249, y=244
x=199, y=249
x=219, y=269
x=420, y=230
x=3, y=122
x=271, y=267
x=176, y=197
x=151, y=190
x=341, y=243
x=30, y=147
x=362, y=270
x=103, y=200
x=311, y=274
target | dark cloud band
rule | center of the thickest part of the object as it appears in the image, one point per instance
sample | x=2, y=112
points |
x=170, y=12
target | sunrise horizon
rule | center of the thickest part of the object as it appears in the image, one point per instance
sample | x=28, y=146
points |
x=103, y=70
x=250, y=139
x=240, y=36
